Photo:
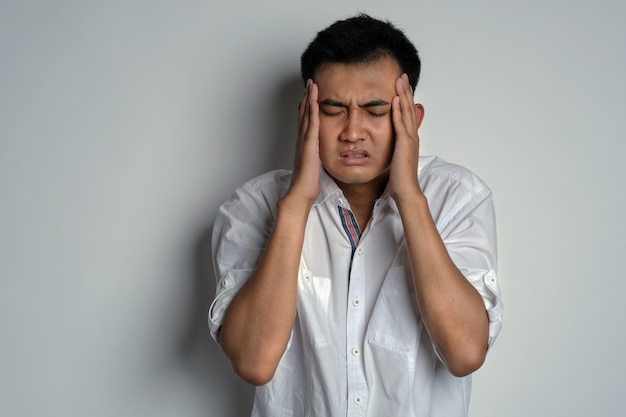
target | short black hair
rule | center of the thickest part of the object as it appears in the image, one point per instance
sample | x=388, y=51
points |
x=359, y=40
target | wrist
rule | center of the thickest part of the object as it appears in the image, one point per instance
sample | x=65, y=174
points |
x=408, y=194
x=294, y=204
x=411, y=201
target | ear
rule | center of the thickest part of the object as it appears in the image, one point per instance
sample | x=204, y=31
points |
x=419, y=114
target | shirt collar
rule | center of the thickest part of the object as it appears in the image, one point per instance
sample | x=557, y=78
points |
x=328, y=187
x=386, y=197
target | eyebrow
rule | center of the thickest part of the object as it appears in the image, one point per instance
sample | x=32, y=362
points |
x=372, y=103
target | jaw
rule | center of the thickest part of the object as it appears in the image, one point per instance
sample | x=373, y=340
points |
x=354, y=180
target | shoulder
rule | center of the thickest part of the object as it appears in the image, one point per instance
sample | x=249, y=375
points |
x=277, y=180
x=453, y=191
x=257, y=195
x=269, y=187
x=435, y=172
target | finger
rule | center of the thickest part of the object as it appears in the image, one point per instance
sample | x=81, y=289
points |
x=303, y=109
x=313, y=110
x=405, y=94
x=396, y=116
x=407, y=104
x=396, y=107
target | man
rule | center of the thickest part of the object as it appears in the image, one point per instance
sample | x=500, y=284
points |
x=363, y=282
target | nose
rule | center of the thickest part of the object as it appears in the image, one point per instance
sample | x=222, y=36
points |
x=353, y=128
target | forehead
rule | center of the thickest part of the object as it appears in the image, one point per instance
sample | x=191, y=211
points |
x=375, y=78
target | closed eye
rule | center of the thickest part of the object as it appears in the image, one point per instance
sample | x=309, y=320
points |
x=374, y=108
x=332, y=112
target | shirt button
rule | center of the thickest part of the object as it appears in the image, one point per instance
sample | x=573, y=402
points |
x=227, y=283
x=358, y=400
x=307, y=276
x=356, y=302
x=340, y=200
x=356, y=352
x=359, y=251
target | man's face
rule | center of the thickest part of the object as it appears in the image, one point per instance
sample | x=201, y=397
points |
x=356, y=129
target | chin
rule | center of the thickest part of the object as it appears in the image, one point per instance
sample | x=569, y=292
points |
x=359, y=178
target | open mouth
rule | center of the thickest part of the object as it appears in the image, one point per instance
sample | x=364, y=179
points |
x=354, y=157
x=354, y=154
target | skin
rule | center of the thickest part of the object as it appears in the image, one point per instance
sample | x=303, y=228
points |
x=361, y=122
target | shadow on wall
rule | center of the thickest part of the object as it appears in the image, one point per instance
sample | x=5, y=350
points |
x=211, y=369
x=282, y=117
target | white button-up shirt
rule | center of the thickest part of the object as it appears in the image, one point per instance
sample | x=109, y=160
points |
x=358, y=345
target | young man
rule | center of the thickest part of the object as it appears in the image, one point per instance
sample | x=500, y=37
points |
x=363, y=282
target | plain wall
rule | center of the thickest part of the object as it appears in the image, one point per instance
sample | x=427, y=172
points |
x=125, y=124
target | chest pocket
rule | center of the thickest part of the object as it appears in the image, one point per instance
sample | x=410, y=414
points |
x=395, y=324
x=313, y=304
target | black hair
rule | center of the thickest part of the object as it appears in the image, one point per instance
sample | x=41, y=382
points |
x=359, y=40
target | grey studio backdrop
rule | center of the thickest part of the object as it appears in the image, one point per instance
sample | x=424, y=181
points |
x=124, y=125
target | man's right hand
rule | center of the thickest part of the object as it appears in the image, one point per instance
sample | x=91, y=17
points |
x=306, y=172
x=259, y=320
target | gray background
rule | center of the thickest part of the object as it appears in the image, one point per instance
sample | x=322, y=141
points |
x=124, y=125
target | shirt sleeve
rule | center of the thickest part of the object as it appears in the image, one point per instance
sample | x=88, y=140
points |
x=471, y=242
x=240, y=232
x=465, y=218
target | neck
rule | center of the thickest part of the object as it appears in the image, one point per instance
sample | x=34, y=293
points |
x=362, y=197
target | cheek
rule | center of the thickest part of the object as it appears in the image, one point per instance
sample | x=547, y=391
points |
x=327, y=126
x=325, y=148
x=383, y=130
x=328, y=136
x=380, y=124
x=386, y=139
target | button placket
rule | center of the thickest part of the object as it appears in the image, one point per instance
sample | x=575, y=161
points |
x=357, y=384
